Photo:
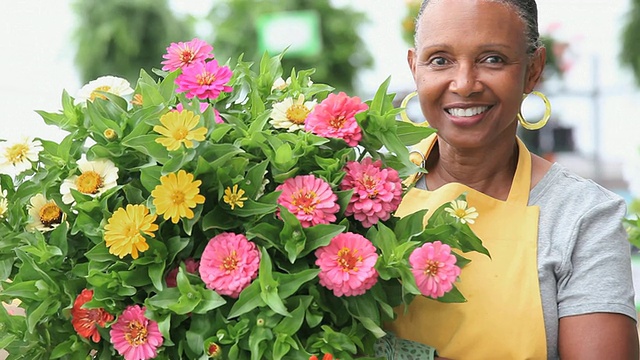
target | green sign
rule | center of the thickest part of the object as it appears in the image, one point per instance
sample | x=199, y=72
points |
x=296, y=31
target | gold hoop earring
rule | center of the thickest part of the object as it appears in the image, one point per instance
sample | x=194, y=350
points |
x=403, y=113
x=547, y=113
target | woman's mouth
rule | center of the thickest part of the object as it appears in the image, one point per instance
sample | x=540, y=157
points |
x=467, y=112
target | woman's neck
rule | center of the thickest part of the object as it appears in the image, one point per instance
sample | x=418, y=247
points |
x=489, y=171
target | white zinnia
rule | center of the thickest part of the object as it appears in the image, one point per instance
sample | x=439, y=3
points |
x=460, y=211
x=17, y=156
x=281, y=84
x=96, y=177
x=111, y=84
x=290, y=114
x=45, y=215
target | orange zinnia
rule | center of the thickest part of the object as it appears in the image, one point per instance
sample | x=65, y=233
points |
x=84, y=320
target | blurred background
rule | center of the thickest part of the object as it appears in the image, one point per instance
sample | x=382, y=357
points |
x=593, y=77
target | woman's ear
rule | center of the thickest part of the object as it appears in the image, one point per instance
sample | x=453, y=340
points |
x=535, y=70
x=411, y=59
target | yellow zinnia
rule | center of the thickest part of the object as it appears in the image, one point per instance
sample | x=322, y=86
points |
x=178, y=129
x=176, y=195
x=124, y=232
x=234, y=197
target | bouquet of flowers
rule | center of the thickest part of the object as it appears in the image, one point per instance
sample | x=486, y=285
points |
x=217, y=211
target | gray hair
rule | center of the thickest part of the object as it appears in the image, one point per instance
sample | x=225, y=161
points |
x=527, y=10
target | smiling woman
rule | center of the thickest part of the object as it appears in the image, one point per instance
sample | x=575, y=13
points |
x=472, y=62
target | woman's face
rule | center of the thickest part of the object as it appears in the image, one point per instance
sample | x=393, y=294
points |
x=471, y=69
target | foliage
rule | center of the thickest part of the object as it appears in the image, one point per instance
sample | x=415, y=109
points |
x=630, y=53
x=117, y=37
x=284, y=313
x=343, y=53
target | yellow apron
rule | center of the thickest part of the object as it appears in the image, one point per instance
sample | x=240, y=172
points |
x=502, y=318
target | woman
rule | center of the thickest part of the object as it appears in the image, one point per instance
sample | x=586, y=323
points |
x=558, y=283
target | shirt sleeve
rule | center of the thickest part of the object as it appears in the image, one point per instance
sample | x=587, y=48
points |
x=596, y=273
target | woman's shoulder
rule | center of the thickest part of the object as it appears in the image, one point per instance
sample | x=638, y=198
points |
x=562, y=186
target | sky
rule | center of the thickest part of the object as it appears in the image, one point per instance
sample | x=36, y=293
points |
x=39, y=51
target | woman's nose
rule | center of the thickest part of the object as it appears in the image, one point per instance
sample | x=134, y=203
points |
x=465, y=81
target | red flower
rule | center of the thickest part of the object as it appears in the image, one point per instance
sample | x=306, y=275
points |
x=191, y=266
x=84, y=321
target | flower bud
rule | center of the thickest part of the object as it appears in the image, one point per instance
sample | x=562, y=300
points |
x=110, y=134
x=213, y=350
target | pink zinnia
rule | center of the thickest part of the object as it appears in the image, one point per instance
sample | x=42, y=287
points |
x=347, y=265
x=189, y=264
x=134, y=336
x=335, y=117
x=310, y=199
x=434, y=268
x=206, y=80
x=203, y=108
x=229, y=263
x=377, y=192
x=185, y=53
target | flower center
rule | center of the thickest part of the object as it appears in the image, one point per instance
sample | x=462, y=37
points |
x=177, y=197
x=17, y=153
x=371, y=184
x=49, y=214
x=89, y=182
x=460, y=213
x=304, y=201
x=180, y=133
x=186, y=56
x=235, y=199
x=297, y=113
x=95, y=94
x=348, y=259
x=206, y=78
x=136, y=334
x=432, y=268
x=230, y=262
x=132, y=232
x=337, y=122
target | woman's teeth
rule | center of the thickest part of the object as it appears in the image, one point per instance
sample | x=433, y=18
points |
x=459, y=112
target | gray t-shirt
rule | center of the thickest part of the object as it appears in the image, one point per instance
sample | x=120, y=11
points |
x=583, y=252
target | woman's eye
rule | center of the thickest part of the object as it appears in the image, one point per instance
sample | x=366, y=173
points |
x=438, y=61
x=493, y=60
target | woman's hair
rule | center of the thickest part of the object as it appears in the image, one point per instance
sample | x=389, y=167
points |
x=527, y=10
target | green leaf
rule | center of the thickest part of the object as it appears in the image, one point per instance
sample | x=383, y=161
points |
x=453, y=296
x=34, y=317
x=290, y=325
x=20, y=290
x=147, y=145
x=100, y=253
x=164, y=299
x=248, y=300
x=268, y=285
x=320, y=235
x=410, y=134
x=290, y=283
x=379, y=97
x=253, y=208
x=210, y=301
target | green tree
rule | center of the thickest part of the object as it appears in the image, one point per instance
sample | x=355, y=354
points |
x=343, y=53
x=118, y=37
x=630, y=55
